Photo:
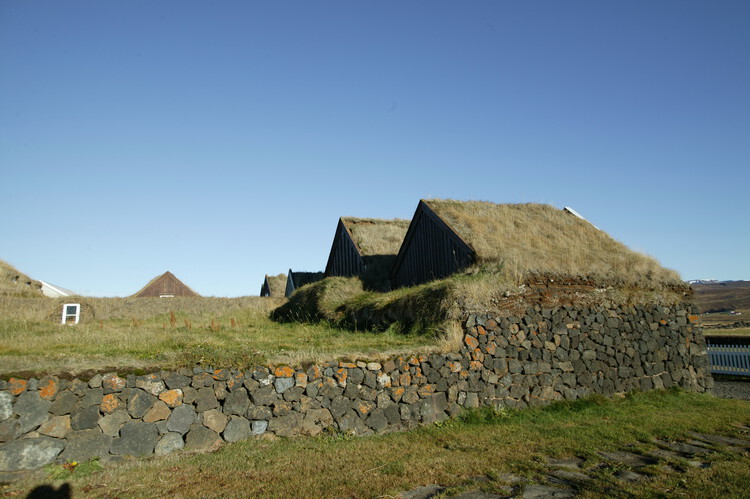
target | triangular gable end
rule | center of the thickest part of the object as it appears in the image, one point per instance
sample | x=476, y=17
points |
x=431, y=250
x=165, y=286
x=345, y=258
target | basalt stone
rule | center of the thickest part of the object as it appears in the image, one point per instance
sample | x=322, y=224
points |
x=170, y=442
x=112, y=383
x=377, y=420
x=315, y=421
x=29, y=453
x=215, y=420
x=6, y=405
x=159, y=412
x=236, y=402
x=257, y=412
x=286, y=426
x=351, y=423
x=32, y=410
x=96, y=381
x=92, y=397
x=57, y=427
x=111, y=424
x=136, y=439
x=237, y=429
x=86, y=444
x=140, y=402
x=294, y=394
x=265, y=395
x=181, y=419
x=85, y=418
x=220, y=390
x=259, y=427
x=205, y=400
x=339, y=406
x=64, y=403
x=175, y=380
x=9, y=429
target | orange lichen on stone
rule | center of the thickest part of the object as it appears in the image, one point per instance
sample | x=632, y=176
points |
x=454, y=366
x=404, y=379
x=477, y=355
x=470, y=341
x=16, y=386
x=110, y=403
x=426, y=390
x=397, y=392
x=341, y=374
x=492, y=323
x=364, y=408
x=172, y=398
x=314, y=373
x=48, y=388
x=463, y=374
x=693, y=319
x=283, y=372
x=414, y=360
x=663, y=322
x=113, y=382
x=235, y=381
x=481, y=330
x=490, y=348
x=475, y=365
x=347, y=365
x=300, y=379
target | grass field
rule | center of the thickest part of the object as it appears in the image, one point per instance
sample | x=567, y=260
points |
x=126, y=334
x=471, y=453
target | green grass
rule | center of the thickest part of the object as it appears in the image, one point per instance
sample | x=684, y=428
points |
x=740, y=331
x=482, y=443
x=128, y=334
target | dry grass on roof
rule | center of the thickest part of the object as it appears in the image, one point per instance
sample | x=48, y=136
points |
x=537, y=239
x=15, y=283
x=377, y=237
x=276, y=285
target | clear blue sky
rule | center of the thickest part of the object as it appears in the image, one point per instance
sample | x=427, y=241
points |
x=222, y=140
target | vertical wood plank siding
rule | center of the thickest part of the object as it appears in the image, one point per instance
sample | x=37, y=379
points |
x=345, y=259
x=431, y=253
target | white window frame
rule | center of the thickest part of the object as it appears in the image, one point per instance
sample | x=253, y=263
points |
x=65, y=315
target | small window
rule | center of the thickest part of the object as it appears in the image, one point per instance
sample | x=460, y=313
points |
x=71, y=313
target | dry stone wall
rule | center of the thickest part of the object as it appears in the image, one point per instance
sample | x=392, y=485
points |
x=504, y=361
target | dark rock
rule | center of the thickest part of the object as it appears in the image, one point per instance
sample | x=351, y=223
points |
x=136, y=439
x=140, y=402
x=174, y=380
x=236, y=402
x=202, y=439
x=64, y=403
x=111, y=424
x=265, y=395
x=32, y=410
x=170, y=442
x=237, y=429
x=182, y=418
x=286, y=426
x=92, y=397
x=257, y=413
x=29, y=453
x=206, y=399
x=86, y=444
x=84, y=419
x=377, y=420
x=6, y=405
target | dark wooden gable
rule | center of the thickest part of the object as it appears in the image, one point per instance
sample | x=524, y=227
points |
x=345, y=258
x=166, y=285
x=273, y=285
x=295, y=280
x=431, y=250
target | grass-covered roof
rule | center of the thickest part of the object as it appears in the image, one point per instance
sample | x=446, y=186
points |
x=15, y=283
x=376, y=237
x=536, y=239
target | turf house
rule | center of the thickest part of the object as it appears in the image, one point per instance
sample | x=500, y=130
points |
x=165, y=286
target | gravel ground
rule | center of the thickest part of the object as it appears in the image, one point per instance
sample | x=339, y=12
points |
x=732, y=389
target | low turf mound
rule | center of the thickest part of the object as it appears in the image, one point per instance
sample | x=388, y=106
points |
x=15, y=283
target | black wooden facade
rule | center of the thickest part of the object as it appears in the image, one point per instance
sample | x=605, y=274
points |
x=295, y=280
x=431, y=250
x=345, y=258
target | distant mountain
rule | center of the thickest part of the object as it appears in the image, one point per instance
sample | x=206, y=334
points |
x=722, y=296
x=703, y=281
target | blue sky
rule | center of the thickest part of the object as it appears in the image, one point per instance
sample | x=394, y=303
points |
x=222, y=140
